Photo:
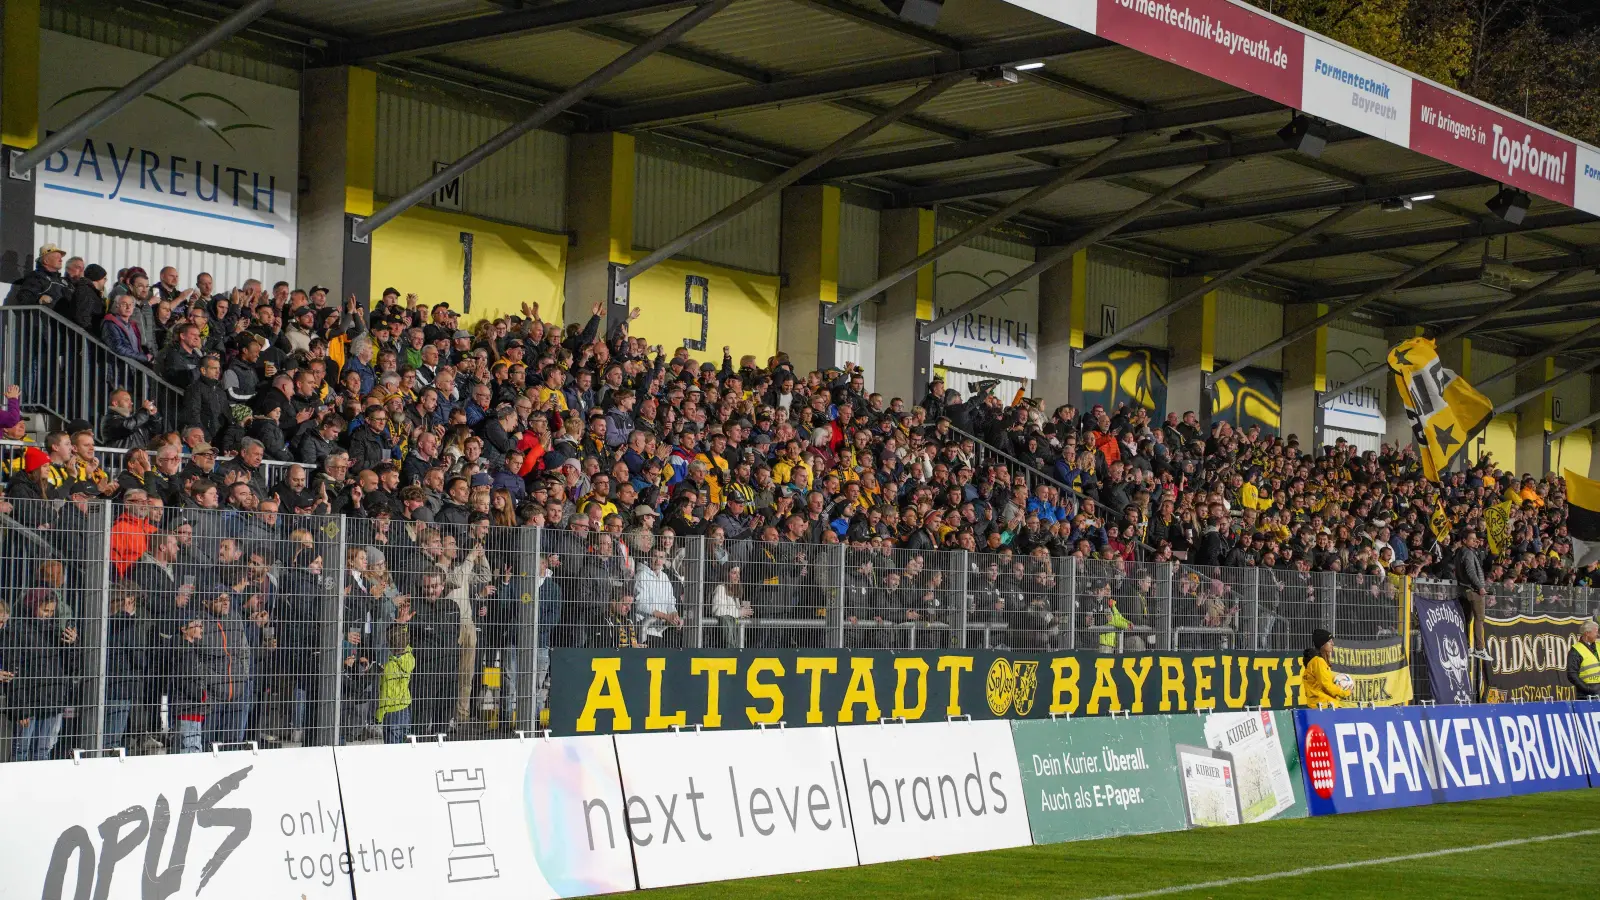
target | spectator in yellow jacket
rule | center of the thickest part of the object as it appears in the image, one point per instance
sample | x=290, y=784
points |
x=1317, y=687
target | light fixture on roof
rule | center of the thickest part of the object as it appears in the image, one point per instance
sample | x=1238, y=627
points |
x=1030, y=66
x=1510, y=204
x=1396, y=204
x=1186, y=136
x=1305, y=135
x=1421, y=197
x=917, y=12
x=996, y=76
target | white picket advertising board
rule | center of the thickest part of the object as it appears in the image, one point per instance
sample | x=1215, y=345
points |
x=716, y=805
x=528, y=819
x=235, y=824
x=931, y=789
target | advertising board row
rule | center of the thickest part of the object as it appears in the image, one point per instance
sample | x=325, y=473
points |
x=1250, y=49
x=547, y=817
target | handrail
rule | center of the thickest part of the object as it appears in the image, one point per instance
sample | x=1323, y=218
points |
x=1048, y=478
x=33, y=347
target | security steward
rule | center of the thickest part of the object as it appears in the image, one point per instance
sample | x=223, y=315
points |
x=1583, y=661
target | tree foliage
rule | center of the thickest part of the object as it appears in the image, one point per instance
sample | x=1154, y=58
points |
x=1537, y=58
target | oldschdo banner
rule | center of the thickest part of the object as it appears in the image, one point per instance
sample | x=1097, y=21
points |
x=1444, y=641
x=713, y=806
x=1528, y=658
x=237, y=824
x=932, y=789
x=529, y=819
x=1364, y=759
x=606, y=691
x=1094, y=778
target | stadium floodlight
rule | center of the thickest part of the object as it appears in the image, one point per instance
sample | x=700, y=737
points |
x=917, y=12
x=1030, y=66
x=1510, y=204
x=1421, y=197
x=1305, y=135
x=996, y=76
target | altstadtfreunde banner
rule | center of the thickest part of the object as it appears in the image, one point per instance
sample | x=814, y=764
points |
x=1529, y=658
x=605, y=691
x=1381, y=670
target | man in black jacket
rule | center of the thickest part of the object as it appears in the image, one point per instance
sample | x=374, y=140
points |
x=205, y=403
x=369, y=445
x=182, y=358
x=85, y=304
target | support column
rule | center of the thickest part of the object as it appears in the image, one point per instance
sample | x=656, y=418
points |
x=1456, y=356
x=1305, y=376
x=1192, y=335
x=1534, y=420
x=1063, y=312
x=1396, y=424
x=338, y=160
x=19, y=132
x=600, y=215
x=904, y=361
x=808, y=253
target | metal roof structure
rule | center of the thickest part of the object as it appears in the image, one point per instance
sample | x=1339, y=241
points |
x=776, y=81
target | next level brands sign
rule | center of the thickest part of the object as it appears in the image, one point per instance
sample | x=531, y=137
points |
x=204, y=158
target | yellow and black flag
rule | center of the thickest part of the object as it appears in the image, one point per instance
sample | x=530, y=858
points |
x=1497, y=527
x=1445, y=411
x=1583, y=506
x=1439, y=522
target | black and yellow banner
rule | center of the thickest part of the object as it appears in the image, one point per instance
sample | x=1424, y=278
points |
x=1445, y=411
x=1528, y=658
x=1497, y=527
x=606, y=691
x=1439, y=523
x=1583, y=506
x=1381, y=670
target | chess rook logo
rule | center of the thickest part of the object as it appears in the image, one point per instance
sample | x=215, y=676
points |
x=470, y=858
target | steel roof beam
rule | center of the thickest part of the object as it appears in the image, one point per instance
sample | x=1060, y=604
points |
x=831, y=85
x=1485, y=227
x=1244, y=268
x=1580, y=307
x=1463, y=329
x=1171, y=158
x=1466, y=275
x=1334, y=315
x=538, y=20
x=1564, y=377
x=885, y=23
x=541, y=116
x=1040, y=138
x=1493, y=309
x=798, y=171
x=1297, y=203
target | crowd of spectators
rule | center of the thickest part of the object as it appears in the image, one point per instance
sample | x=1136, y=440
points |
x=668, y=488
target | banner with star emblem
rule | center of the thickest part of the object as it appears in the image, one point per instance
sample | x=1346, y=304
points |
x=1445, y=411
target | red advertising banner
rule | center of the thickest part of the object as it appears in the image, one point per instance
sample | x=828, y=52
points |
x=1213, y=37
x=1479, y=139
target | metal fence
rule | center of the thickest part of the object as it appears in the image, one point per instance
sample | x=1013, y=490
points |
x=171, y=630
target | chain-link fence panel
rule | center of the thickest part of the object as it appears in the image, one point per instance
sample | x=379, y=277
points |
x=1368, y=607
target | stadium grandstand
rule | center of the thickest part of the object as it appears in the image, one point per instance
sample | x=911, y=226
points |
x=366, y=346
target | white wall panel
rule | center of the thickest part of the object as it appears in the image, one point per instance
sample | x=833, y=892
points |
x=1247, y=320
x=116, y=250
x=865, y=348
x=1574, y=397
x=524, y=184
x=672, y=196
x=858, y=247
x=1133, y=287
x=1362, y=442
x=144, y=34
x=962, y=380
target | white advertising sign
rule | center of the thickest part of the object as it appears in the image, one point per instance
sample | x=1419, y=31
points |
x=1080, y=14
x=1000, y=338
x=1362, y=93
x=931, y=789
x=237, y=824
x=1588, y=186
x=1359, y=409
x=711, y=806
x=204, y=158
x=531, y=820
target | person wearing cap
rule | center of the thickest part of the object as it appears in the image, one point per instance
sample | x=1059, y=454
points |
x=45, y=285
x=1317, y=686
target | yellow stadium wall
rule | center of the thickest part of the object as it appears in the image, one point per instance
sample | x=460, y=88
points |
x=420, y=252
x=741, y=310
x=1499, y=439
x=1575, y=452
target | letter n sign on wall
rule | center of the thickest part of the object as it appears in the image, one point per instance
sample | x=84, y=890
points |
x=449, y=196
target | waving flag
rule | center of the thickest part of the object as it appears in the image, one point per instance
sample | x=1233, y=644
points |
x=1445, y=411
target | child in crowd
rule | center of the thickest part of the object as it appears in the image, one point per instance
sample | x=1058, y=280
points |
x=394, y=692
x=189, y=699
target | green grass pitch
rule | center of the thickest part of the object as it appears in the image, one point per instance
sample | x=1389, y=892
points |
x=1161, y=865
